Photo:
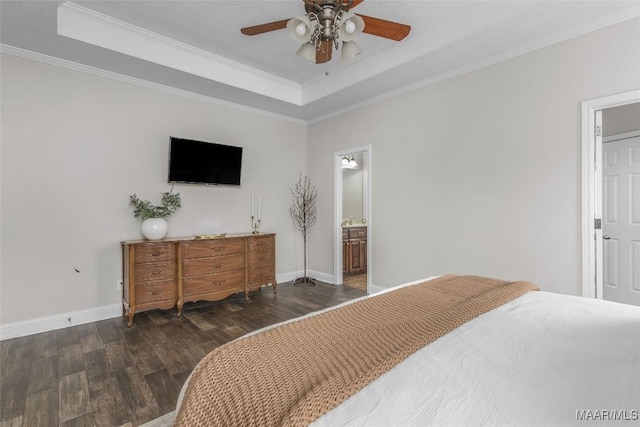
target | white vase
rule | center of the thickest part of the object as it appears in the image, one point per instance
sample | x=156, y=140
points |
x=154, y=228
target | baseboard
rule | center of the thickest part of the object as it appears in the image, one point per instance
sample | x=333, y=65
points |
x=289, y=277
x=58, y=321
x=80, y=317
x=323, y=277
x=376, y=289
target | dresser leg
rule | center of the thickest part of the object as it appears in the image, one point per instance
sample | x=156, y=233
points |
x=275, y=287
x=179, y=306
x=130, y=314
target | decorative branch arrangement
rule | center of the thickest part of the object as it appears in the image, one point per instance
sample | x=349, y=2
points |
x=169, y=203
x=303, y=213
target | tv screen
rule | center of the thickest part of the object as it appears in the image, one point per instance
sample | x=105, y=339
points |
x=199, y=162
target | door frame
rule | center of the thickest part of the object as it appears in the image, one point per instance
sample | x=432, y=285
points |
x=337, y=213
x=592, y=259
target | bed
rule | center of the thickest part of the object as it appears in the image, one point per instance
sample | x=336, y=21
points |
x=527, y=358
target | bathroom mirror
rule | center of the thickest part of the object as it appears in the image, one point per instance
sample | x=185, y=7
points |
x=352, y=190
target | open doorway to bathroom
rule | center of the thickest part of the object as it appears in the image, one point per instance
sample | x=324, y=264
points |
x=353, y=232
x=354, y=223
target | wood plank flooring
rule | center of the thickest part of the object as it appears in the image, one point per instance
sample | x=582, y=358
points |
x=105, y=374
x=358, y=281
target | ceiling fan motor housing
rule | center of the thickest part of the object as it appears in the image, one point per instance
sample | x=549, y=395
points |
x=327, y=18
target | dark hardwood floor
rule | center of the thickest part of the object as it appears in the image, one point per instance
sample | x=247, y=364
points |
x=105, y=374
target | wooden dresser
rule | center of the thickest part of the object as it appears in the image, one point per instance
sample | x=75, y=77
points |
x=168, y=273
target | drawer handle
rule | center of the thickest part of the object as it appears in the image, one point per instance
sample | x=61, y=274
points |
x=217, y=265
x=156, y=272
x=218, y=283
x=218, y=248
x=155, y=253
x=155, y=292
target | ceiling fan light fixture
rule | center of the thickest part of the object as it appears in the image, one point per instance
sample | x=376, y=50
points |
x=351, y=27
x=349, y=50
x=307, y=51
x=326, y=24
x=299, y=29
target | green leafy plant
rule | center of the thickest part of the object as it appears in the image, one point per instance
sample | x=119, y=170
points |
x=169, y=203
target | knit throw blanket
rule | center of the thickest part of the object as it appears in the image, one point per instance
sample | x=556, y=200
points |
x=292, y=374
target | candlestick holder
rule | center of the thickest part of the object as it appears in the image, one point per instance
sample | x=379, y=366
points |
x=255, y=225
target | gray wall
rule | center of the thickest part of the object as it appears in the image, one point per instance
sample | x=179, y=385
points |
x=618, y=120
x=480, y=174
x=75, y=146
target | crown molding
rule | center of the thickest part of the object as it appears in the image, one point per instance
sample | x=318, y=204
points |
x=578, y=31
x=607, y=21
x=70, y=65
x=88, y=26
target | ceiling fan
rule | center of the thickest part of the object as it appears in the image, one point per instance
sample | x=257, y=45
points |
x=326, y=24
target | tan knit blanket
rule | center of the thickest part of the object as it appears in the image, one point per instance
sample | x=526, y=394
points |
x=292, y=374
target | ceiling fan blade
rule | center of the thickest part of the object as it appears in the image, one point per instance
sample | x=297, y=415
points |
x=264, y=28
x=355, y=3
x=387, y=29
x=324, y=53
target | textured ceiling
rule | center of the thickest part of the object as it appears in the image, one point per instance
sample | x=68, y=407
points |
x=263, y=73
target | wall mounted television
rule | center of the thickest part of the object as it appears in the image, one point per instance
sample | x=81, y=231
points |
x=200, y=162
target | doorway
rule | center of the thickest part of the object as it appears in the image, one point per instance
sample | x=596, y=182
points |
x=597, y=249
x=352, y=218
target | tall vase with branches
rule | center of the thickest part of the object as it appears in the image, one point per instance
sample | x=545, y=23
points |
x=303, y=213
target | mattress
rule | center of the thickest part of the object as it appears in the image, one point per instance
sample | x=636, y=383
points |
x=542, y=359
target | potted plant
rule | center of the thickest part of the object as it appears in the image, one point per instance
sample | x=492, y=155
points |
x=154, y=226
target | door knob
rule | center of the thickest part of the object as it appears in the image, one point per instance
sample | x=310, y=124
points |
x=606, y=237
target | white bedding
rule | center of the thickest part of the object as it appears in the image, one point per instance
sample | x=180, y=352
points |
x=543, y=359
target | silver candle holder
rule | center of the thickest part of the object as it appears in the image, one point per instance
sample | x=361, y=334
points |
x=255, y=225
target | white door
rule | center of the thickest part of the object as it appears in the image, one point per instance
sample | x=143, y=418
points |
x=621, y=220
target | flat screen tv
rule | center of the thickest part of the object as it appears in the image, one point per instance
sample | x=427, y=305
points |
x=199, y=162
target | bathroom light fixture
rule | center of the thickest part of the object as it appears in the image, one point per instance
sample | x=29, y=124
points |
x=349, y=163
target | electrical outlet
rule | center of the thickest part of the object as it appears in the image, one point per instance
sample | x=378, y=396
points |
x=119, y=285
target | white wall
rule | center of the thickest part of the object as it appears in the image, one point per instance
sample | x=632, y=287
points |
x=75, y=146
x=480, y=174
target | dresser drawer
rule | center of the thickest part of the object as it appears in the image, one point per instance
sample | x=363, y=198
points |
x=260, y=258
x=155, y=271
x=261, y=275
x=214, y=247
x=211, y=283
x=201, y=266
x=153, y=252
x=261, y=243
x=157, y=291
